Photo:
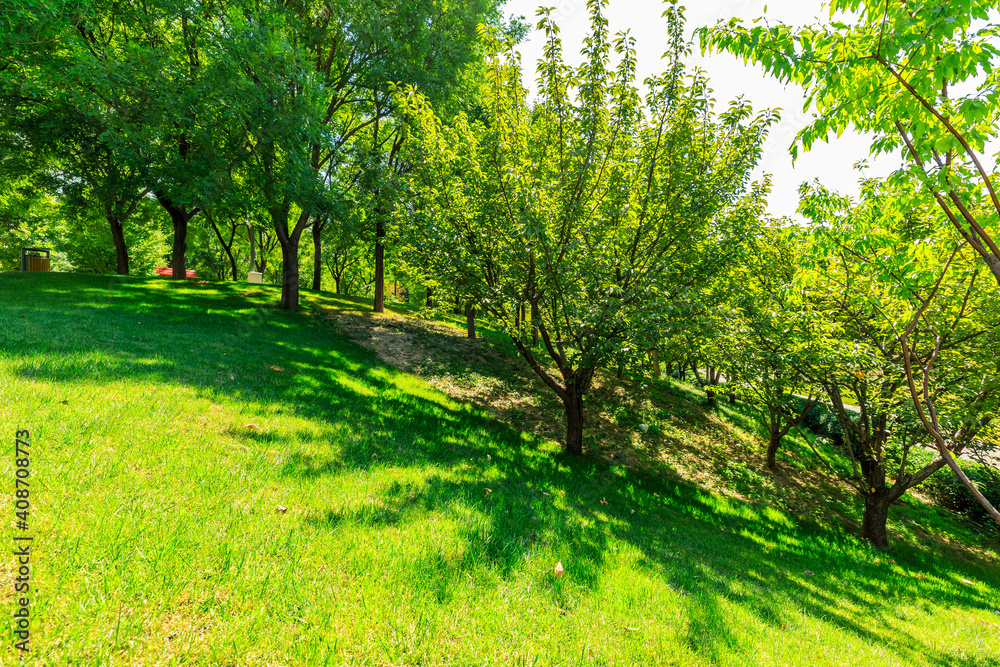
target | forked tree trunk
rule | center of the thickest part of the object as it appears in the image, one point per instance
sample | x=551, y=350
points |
x=874, y=525
x=470, y=320
x=379, y=306
x=179, y=217
x=121, y=248
x=289, y=255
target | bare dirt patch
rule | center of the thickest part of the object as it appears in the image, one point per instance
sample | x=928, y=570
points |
x=480, y=371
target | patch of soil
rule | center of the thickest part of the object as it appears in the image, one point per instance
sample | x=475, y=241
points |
x=478, y=370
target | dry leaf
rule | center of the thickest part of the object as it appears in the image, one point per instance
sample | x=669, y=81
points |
x=809, y=573
x=558, y=571
x=277, y=369
x=603, y=501
x=252, y=426
x=966, y=581
x=281, y=509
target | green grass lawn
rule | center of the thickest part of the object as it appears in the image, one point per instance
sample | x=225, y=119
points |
x=171, y=421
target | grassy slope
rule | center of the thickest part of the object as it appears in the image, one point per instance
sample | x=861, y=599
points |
x=418, y=530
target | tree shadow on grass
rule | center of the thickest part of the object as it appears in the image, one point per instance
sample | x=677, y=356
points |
x=222, y=342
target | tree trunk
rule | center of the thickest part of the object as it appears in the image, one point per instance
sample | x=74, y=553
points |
x=470, y=320
x=654, y=356
x=873, y=526
x=573, y=403
x=232, y=264
x=379, y=306
x=289, y=255
x=458, y=306
x=317, y=230
x=121, y=249
x=290, y=274
x=178, y=256
x=774, y=443
x=429, y=303
x=180, y=218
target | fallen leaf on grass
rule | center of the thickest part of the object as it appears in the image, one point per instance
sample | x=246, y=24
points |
x=252, y=426
x=281, y=509
x=277, y=369
x=488, y=491
x=558, y=571
x=603, y=501
x=809, y=573
x=966, y=581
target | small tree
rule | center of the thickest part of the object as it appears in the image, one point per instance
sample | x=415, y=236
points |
x=590, y=209
x=763, y=339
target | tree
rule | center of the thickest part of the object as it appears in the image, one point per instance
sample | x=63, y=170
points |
x=894, y=73
x=763, y=339
x=589, y=211
x=321, y=83
x=69, y=128
x=871, y=276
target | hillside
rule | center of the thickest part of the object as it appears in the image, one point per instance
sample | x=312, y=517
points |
x=216, y=482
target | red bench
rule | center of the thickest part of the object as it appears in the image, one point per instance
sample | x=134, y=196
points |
x=167, y=272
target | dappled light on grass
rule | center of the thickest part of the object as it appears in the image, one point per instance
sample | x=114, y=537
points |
x=414, y=529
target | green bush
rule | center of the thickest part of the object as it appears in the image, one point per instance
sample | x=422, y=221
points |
x=950, y=493
x=822, y=422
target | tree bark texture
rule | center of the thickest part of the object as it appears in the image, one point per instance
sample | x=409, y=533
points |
x=121, y=248
x=290, y=275
x=470, y=320
x=874, y=524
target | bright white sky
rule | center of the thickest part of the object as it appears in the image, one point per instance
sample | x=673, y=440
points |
x=832, y=163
